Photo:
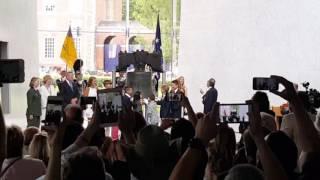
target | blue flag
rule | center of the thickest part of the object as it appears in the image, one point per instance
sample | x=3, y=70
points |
x=157, y=49
x=111, y=57
x=157, y=42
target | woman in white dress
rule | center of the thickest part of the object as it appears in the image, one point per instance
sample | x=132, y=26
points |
x=92, y=88
x=90, y=91
x=47, y=89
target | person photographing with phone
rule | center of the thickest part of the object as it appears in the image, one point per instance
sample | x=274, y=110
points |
x=210, y=97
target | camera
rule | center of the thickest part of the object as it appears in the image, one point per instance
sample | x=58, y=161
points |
x=11, y=71
x=313, y=96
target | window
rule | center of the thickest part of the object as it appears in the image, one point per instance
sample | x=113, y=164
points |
x=49, y=47
x=77, y=44
x=50, y=8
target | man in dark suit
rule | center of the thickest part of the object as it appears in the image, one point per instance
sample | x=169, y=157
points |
x=70, y=91
x=126, y=98
x=210, y=97
x=175, y=106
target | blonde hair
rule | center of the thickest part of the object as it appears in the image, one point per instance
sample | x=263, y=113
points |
x=46, y=78
x=165, y=87
x=90, y=81
x=39, y=147
x=32, y=81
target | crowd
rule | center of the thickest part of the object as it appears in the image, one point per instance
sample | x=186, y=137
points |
x=175, y=144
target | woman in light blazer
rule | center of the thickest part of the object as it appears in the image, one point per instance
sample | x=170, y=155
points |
x=34, y=103
x=46, y=90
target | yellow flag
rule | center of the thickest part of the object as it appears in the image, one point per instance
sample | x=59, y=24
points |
x=68, y=51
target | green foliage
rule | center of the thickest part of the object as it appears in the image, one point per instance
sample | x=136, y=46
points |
x=146, y=12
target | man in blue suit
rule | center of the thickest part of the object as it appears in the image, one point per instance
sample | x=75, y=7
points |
x=210, y=97
x=69, y=90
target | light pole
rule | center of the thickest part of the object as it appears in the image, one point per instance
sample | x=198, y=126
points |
x=127, y=24
x=173, y=36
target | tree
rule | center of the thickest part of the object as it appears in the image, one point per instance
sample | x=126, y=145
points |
x=146, y=12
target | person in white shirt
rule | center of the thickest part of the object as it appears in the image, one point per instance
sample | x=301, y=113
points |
x=46, y=90
x=92, y=88
x=153, y=117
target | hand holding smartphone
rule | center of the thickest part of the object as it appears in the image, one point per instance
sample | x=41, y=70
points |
x=54, y=111
x=265, y=83
x=110, y=106
x=234, y=113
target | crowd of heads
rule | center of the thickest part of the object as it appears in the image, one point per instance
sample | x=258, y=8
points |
x=147, y=152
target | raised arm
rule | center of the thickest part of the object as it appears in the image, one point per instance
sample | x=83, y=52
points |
x=94, y=125
x=307, y=133
x=3, y=137
x=54, y=167
x=191, y=114
x=271, y=165
x=193, y=162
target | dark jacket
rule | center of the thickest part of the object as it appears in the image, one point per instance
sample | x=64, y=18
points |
x=126, y=102
x=69, y=93
x=209, y=99
x=34, y=102
x=82, y=86
x=175, y=106
x=164, y=107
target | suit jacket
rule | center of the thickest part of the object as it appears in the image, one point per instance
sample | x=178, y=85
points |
x=126, y=102
x=69, y=93
x=175, y=107
x=34, y=102
x=164, y=107
x=209, y=99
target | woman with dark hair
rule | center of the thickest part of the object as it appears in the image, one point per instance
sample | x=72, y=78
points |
x=263, y=101
x=137, y=102
x=34, y=103
x=267, y=115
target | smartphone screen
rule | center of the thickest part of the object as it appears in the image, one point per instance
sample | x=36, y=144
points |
x=265, y=84
x=110, y=105
x=87, y=106
x=54, y=111
x=234, y=113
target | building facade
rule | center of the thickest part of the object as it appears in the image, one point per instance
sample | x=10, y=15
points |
x=94, y=23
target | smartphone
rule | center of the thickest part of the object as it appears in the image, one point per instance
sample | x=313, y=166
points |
x=234, y=113
x=263, y=83
x=110, y=106
x=87, y=106
x=54, y=111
